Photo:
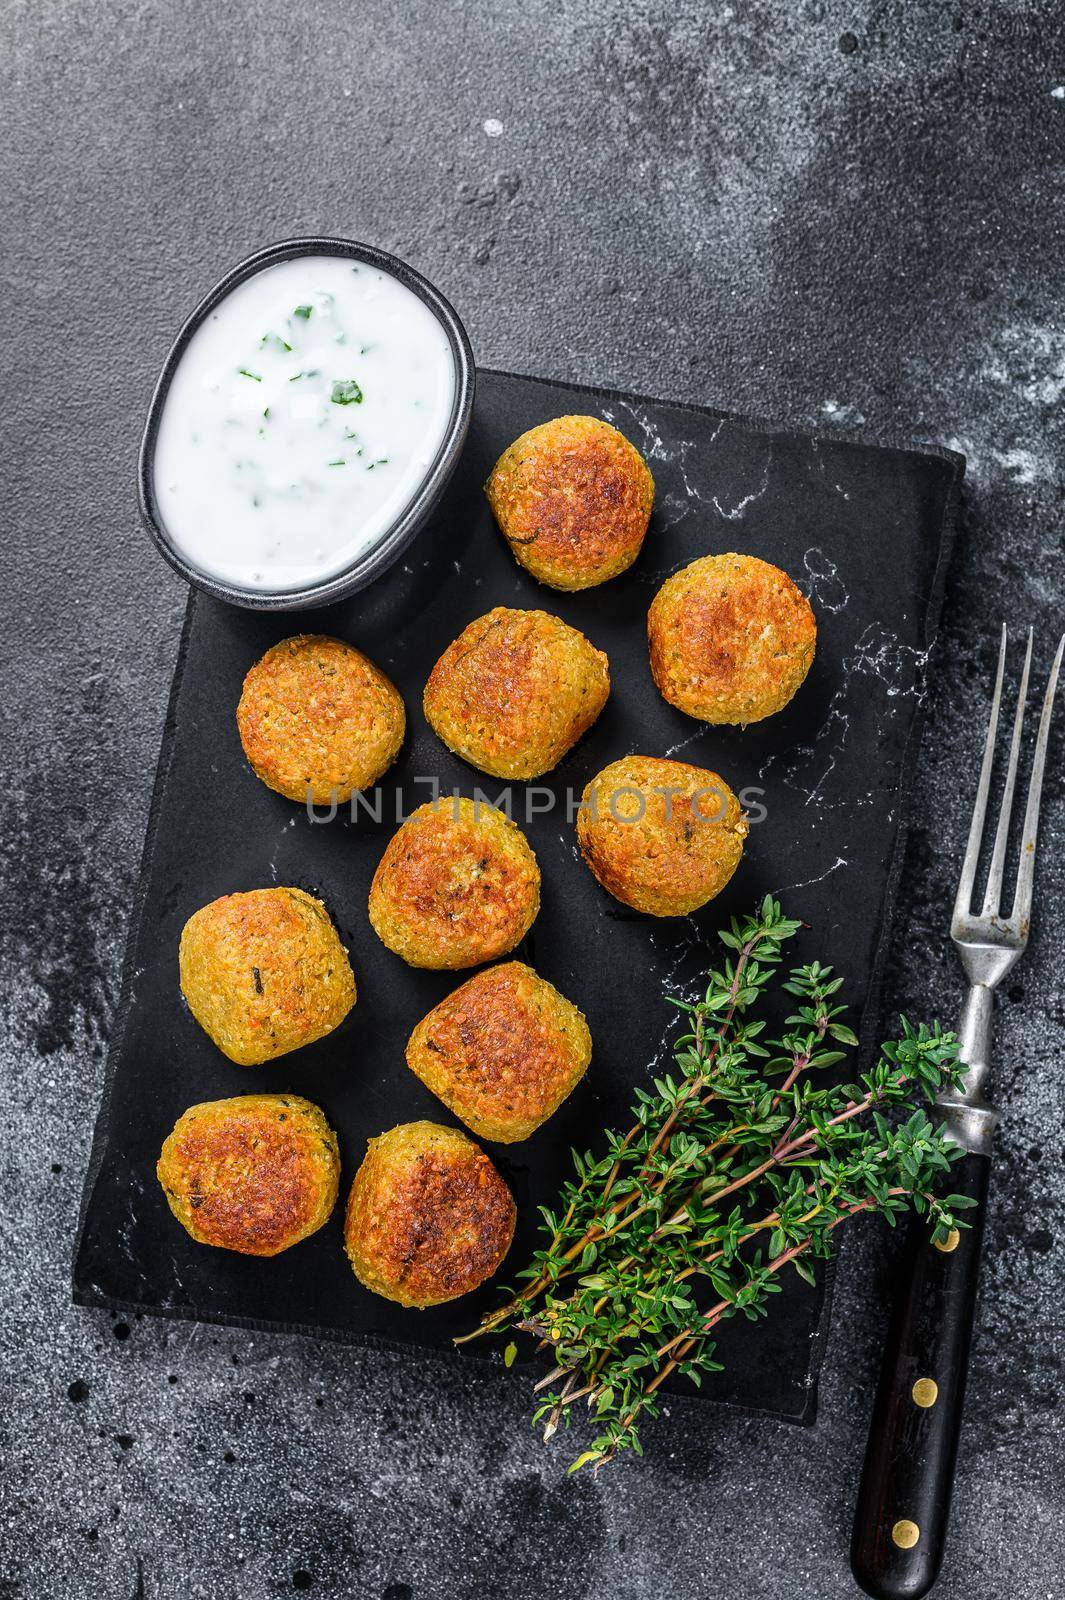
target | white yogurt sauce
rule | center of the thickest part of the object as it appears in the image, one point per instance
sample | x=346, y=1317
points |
x=300, y=422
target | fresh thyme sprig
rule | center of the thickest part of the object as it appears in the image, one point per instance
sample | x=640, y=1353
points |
x=737, y=1166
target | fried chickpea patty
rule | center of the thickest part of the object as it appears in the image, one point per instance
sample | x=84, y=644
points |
x=573, y=499
x=255, y=1174
x=662, y=836
x=428, y=1217
x=457, y=885
x=502, y=1051
x=731, y=637
x=317, y=717
x=265, y=973
x=515, y=691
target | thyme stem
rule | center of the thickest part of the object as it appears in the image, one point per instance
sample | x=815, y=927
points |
x=741, y=1164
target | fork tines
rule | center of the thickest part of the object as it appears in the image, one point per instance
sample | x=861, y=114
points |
x=990, y=919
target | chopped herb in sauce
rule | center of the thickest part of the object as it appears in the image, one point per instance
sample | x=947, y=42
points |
x=346, y=392
x=266, y=476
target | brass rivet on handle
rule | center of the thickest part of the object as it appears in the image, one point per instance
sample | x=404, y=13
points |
x=905, y=1534
x=925, y=1392
x=949, y=1243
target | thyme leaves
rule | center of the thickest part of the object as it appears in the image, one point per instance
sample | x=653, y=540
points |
x=740, y=1164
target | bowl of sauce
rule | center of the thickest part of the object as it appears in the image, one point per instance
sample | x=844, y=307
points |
x=305, y=424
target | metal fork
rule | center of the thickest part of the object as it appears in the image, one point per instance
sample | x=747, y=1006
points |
x=904, y=1499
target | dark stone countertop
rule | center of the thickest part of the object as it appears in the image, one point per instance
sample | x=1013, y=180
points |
x=836, y=215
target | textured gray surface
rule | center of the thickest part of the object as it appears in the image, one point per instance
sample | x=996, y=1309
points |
x=835, y=214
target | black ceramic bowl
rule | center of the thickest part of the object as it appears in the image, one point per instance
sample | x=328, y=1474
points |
x=390, y=545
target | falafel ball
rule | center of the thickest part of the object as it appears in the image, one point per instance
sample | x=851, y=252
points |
x=573, y=499
x=255, y=1174
x=457, y=885
x=318, y=720
x=265, y=973
x=428, y=1217
x=731, y=637
x=515, y=691
x=502, y=1051
x=661, y=836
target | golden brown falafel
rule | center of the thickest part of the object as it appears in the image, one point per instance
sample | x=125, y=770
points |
x=731, y=637
x=256, y=1173
x=515, y=691
x=661, y=836
x=428, y=1217
x=457, y=885
x=318, y=720
x=265, y=973
x=573, y=499
x=502, y=1051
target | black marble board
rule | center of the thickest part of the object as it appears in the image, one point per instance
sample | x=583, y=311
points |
x=866, y=531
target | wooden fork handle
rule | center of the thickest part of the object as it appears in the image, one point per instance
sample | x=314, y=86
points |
x=900, y=1525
